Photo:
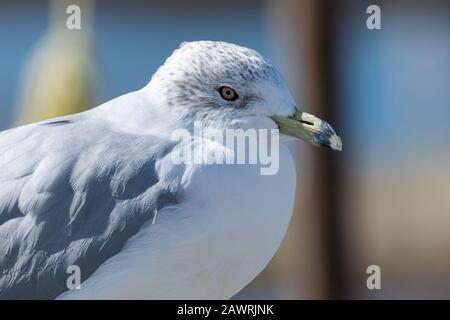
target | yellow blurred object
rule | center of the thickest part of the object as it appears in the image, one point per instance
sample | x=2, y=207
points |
x=58, y=77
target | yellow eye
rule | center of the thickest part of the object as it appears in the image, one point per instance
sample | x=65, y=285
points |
x=228, y=93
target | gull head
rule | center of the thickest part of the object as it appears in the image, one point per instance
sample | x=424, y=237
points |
x=229, y=86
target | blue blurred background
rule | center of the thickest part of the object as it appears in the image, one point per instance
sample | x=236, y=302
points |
x=385, y=200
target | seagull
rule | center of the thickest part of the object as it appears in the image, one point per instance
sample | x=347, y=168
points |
x=98, y=195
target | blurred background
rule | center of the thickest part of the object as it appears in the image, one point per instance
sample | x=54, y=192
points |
x=384, y=200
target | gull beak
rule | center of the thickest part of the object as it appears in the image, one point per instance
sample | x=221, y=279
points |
x=307, y=127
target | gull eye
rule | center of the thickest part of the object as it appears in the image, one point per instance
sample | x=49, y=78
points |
x=228, y=93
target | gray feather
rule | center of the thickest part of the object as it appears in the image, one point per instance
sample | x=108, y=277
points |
x=71, y=193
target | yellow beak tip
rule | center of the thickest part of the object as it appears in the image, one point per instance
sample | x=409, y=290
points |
x=336, y=142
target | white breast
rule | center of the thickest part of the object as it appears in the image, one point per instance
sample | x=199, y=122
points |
x=209, y=247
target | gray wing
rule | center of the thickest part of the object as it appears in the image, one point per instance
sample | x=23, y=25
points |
x=72, y=192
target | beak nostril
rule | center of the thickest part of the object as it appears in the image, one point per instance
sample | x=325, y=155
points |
x=307, y=122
